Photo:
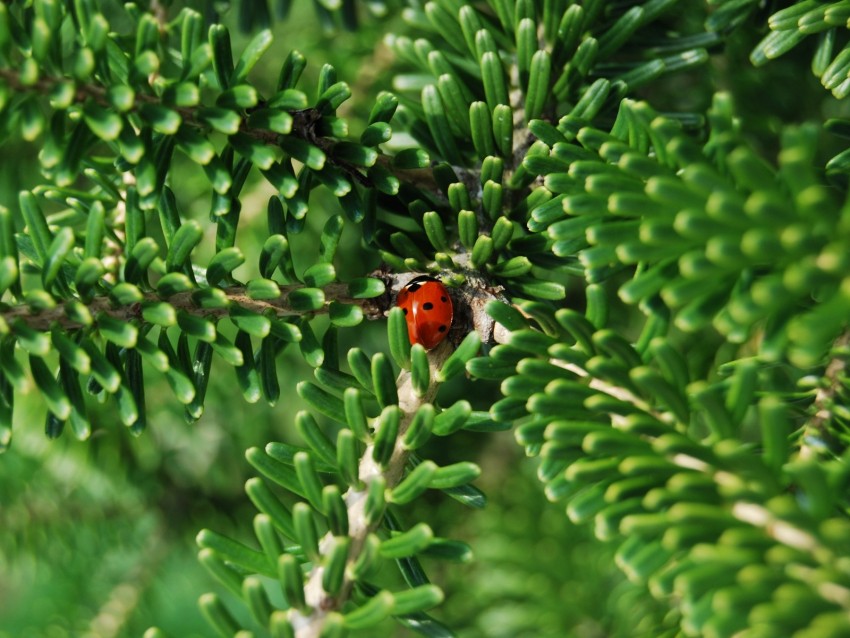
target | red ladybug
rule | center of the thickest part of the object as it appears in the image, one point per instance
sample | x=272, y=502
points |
x=428, y=310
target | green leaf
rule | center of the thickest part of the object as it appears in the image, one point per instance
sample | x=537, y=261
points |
x=409, y=543
x=336, y=559
x=195, y=326
x=246, y=373
x=254, y=593
x=332, y=98
x=420, y=369
x=454, y=475
x=252, y=323
x=88, y=274
x=172, y=284
x=219, y=40
x=303, y=151
x=371, y=613
x=375, y=499
x=319, y=275
x=345, y=315
x=322, y=401
x=315, y=437
x=420, y=428
x=397, y=336
x=161, y=118
x=309, y=479
x=306, y=299
x=481, y=129
x=251, y=54
x=36, y=224
x=59, y=249
x=55, y=398
x=503, y=129
x=452, y=419
x=265, y=528
x=35, y=342
x=217, y=615
x=182, y=94
x=257, y=153
x=305, y=531
x=184, y=241
x=384, y=107
x=347, y=456
x=335, y=510
x=198, y=148
x=482, y=250
x=286, y=331
x=386, y=434
x=153, y=355
x=411, y=158
x=456, y=363
x=289, y=572
x=276, y=254
x=223, y=263
x=416, y=600
x=355, y=415
x=70, y=351
x=105, y=124
x=274, y=120
x=366, y=288
x=775, y=428
x=263, y=289
x=438, y=124
x=538, y=85
x=121, y=333
x=102, y=370
x=536, y=289
x=414, y=484
x=159, y=313
x=222, y=120
x=241, y=555
x=274, y=470
x=383, y=381
x=375, y=134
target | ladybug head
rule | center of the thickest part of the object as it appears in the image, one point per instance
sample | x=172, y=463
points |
x=414, y=284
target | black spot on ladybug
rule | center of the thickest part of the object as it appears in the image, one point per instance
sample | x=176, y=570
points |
x=428, y=305
x=442, y=328
x=404, y=310
x=414, y=287
x=443, y=299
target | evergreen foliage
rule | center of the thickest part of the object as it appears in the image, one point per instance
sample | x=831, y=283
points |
x=649, y=268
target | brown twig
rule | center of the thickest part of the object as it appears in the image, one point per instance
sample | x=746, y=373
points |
x=185, y=302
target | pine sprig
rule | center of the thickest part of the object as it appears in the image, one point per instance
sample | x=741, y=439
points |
x=375, y=458
x=662, y=303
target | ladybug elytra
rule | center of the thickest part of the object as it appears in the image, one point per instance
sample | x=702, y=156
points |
x=428, y=310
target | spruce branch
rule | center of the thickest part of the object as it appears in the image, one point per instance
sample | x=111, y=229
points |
x=304, y=121
x=319, y=603
x=816, y=430
x=617, y=392
x=281, y=307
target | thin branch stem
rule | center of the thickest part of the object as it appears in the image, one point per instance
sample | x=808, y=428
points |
x=185, y=302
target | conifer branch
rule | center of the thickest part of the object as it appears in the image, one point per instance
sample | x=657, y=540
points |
x=317, y=600
x=816, y=429
x=281, y=307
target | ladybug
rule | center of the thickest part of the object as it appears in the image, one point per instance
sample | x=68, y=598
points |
x=428, y=310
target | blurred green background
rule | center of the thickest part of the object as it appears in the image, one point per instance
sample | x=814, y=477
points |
x=97, y=537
